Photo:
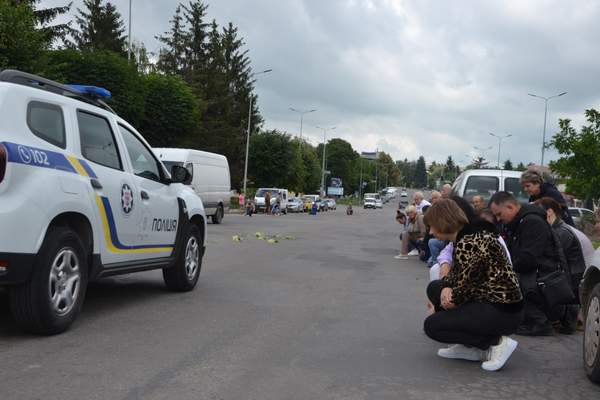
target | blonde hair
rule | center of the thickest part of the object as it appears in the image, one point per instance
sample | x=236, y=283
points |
x=410, y=209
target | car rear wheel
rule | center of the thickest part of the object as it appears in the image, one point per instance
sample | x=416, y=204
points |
x=52, y=299
x=591, y=336
x=183, y=276
x=217, y=217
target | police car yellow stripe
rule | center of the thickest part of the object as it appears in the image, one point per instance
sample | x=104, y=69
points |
x=111, y=238
x=77, y=165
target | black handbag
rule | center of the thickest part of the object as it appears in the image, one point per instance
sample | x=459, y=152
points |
x=555, y=286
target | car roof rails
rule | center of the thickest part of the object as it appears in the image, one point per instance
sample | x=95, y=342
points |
x=35, y=81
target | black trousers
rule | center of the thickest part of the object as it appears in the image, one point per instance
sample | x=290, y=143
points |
x=471, y=324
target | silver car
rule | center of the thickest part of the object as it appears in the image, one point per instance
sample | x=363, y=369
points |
x=590, y=301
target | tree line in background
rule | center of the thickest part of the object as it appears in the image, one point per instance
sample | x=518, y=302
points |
x=196, y=93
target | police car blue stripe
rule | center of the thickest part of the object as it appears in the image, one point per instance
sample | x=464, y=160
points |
x=113, y=231
x=20, y=154
x=87, y=168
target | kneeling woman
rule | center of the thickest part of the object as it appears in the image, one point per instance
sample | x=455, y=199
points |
x=479, y=303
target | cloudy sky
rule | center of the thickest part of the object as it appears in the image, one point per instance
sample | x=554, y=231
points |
x=412, y=78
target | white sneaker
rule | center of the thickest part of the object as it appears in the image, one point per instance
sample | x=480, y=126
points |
x=461, y=352
x=499, y=354
x=413, y=252
x=401, y=257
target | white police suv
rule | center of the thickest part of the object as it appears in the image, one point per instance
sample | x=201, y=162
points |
x=82, y=197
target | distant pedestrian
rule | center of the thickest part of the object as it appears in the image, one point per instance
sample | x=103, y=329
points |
x=446, y=191
x=242, y=201
x=268, y=202
x=249, y=208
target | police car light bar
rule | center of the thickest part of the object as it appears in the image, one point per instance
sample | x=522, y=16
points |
x=94, y=91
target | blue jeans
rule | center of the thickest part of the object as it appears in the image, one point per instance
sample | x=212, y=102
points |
x=435, y=247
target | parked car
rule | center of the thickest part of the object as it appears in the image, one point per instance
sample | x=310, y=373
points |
x=378, y=203
x=404, y=193
x=486, y=182
x=210, y=177
x=331, y=204
x=295, y=204
x=584, y=219
x=259, y=198
x=323, y=205
x=590, y=302
x=369, y=203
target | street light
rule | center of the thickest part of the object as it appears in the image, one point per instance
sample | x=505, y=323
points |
x=248, y=133
x=500, y=139
x=545, y=116
x=324, y=146
x=129, y=37
x=302, y=112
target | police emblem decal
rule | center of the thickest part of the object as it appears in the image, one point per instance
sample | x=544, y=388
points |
x=126, y=199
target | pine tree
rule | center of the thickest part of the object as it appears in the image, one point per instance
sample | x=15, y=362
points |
x=196, y=46
x=171, y=59
x=44, y=17
x=421, y=173
x=508, y=165
x=100, y=28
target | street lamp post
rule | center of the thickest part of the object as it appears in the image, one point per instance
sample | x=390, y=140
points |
x=129, y=37
x=302, y=112
x=545, y=116
x=248, y=132
x=500, y=139
x=324, y=146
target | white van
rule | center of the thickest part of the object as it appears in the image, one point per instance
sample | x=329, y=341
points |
x=210, y=177
x=259, y=198
x=486, y=182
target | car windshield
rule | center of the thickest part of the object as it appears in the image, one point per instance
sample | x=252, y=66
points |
x=263, y=192
x=513, y=185
x=484, y=186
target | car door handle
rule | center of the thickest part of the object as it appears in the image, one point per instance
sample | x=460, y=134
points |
x=144, y=195
x=96, y=183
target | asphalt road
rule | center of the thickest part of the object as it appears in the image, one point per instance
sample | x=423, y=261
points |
x=328, y=315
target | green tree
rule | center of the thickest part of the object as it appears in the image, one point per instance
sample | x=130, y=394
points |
x=44, y=18
x=22, y=45
x=100, y=28
x=421, y=173
x=196, y=43
x=521, y=167
x=341, y=162
x=172, y=112
x=312, y=166
x=270, y=152
x=171, y=58
x=579, y=163
x=449, y=170
x=508, y=165
x=105, y=69
x=296, y=169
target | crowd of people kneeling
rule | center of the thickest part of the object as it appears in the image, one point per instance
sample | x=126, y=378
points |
x=497, y=270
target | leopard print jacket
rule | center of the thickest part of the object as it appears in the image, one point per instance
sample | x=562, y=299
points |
x=482, y=272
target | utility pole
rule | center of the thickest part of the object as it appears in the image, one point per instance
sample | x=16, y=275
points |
x=545, y=117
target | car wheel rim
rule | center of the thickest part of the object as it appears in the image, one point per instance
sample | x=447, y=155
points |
x=192, y=258
x=64, y=285
x=592, y=331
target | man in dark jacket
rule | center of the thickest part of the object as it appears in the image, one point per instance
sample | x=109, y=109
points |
x=533, y=252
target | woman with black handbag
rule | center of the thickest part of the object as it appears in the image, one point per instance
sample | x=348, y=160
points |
x=574, y=259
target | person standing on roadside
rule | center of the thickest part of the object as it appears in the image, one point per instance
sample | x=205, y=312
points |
x=420, y=202
x=242, y=201
x=533, y=183
x=268, y=202
x=533, y=252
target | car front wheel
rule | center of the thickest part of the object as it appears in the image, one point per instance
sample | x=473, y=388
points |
x=591, y=336
x=183, y=276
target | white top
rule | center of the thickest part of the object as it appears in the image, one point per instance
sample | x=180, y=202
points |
x=423, y=203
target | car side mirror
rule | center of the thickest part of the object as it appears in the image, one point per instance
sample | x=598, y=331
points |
x=180, y=174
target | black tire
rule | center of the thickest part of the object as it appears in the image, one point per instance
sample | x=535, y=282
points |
x=591, y=335
x=217, y=218
x=179, y=278
x=32, y=303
